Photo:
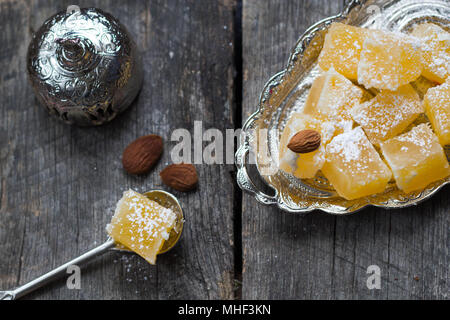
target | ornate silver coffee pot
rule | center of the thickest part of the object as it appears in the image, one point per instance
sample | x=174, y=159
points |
x=84, y=67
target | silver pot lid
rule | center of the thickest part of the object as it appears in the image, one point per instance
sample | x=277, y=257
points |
x=83, y=66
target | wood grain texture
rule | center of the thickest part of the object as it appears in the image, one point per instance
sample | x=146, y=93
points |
x=59, y=184
x=320, y=256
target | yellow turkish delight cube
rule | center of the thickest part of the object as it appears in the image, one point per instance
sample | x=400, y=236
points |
x=304, y=165
x=416, y=158
x=389, y=60
x=140, y=224
x=354, y=167
x=341, y=49
x=331, y=97
x=437, y=109
x=435, y=51
x=388, y=114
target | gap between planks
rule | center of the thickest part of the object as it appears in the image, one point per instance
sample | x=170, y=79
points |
x=237, y=120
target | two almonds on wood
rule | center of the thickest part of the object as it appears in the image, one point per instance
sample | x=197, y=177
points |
x=140, y=156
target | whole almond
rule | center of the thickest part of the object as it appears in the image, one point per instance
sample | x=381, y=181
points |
x=304, y=141
x=142, y=154
x=181, y=177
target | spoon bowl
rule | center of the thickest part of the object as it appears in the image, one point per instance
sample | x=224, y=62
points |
x=168, y=200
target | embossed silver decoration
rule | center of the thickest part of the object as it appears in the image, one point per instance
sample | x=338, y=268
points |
x=84, y=67
x=286, y=93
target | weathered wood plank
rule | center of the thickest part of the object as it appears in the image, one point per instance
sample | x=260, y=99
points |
x=59, y=184
x=284, y=255
x=321, y=256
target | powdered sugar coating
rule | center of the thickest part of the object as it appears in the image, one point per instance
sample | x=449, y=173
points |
x=140, y=224
x=342, y=48
x=353, y=166
x=435, y=46
x=388, y=114
x=389, y=60
x=437, y=108
x=416, y=158
x=331, y=97
x=308, y=164
x=348, y=145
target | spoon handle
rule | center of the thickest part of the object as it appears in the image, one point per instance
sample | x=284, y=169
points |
x=55, y=273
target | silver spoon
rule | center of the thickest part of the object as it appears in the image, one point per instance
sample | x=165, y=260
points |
x=162, y=197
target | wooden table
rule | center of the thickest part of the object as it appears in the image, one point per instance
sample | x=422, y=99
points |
x=206, y=61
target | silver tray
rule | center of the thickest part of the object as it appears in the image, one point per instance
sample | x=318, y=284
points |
x=286, y=92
